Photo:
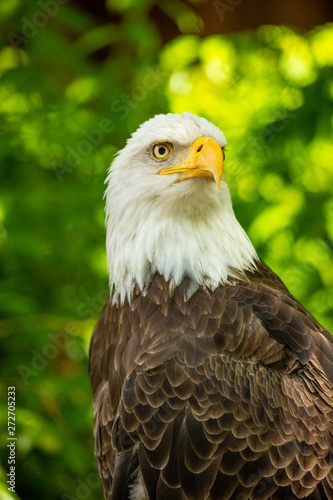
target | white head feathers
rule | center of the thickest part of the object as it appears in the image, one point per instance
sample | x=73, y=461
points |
x=155, y=225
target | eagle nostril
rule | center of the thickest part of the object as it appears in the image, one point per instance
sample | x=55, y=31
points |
x=200, y=148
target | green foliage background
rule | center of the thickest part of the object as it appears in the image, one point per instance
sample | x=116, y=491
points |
x=64, y=112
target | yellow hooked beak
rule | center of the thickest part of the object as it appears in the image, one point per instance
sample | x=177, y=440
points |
x=205, y=160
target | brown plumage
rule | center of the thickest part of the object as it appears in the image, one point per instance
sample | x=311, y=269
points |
x=210, y=380
x=225, y=396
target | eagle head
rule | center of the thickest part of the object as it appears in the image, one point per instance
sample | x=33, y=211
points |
x=169, y=211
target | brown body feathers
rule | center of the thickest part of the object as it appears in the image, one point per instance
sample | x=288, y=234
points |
x=228, y=395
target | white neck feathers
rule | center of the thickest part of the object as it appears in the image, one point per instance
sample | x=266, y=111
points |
x=185, y=237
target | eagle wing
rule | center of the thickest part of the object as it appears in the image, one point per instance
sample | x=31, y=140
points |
x=226, y=395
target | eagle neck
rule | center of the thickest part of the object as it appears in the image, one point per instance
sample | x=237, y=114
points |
x=207, y=245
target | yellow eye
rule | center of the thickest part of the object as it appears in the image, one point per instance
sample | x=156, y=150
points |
x=161, y=151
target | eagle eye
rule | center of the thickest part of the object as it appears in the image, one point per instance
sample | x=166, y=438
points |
x=161, y=151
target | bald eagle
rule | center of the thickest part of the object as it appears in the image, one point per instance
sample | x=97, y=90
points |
x=210, y=380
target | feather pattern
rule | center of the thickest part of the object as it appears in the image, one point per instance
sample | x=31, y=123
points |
x=228, y=401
